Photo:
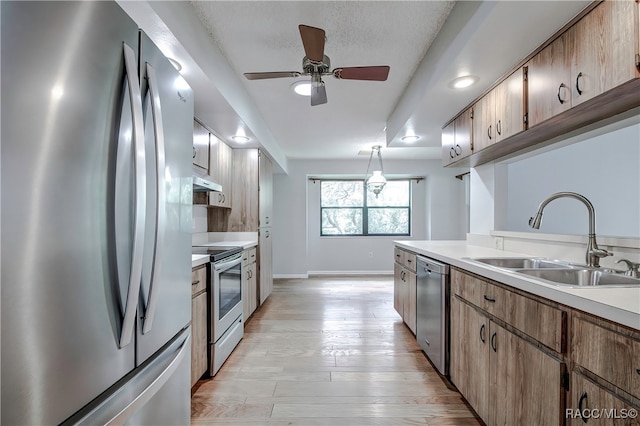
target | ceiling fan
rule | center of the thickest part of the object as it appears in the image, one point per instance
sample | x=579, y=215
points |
x=316, y=64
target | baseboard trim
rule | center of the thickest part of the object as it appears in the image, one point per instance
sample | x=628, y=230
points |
x=349, y=273
x=290, y=276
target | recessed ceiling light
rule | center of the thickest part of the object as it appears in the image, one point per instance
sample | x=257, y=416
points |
x=462, y=82
x=302, y=87
x=240, y=138
x=410, y=138
x=177, y=65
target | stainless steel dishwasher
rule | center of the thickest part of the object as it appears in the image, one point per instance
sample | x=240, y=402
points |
x=432, y=328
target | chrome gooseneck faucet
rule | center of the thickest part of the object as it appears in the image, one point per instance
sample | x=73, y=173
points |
x=594, y=253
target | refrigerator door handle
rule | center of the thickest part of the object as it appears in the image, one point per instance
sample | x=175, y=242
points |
x=140, y=197
x=159, y=231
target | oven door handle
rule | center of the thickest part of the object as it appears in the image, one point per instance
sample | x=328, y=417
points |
x=223, y=266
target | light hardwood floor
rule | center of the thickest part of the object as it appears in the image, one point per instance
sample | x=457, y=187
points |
x=328, y=351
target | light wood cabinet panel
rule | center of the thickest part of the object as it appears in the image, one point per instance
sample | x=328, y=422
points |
x=609, y=354
x=249, y=285
x=525, y=382
x=198, y=337
x=509, y=106
x=244, y=213
x=265, y=263
x=448, y=144
x=588, y=398
x=220, y=171
x=469, y=363
x=266, y=190
x=405, y=288
x=198, y=280
x=200, y=150
x=549, y=80
x=468, y=287
x=605, y=44
x=463, y=146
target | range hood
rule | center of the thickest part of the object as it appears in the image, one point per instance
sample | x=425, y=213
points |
x=204, y=185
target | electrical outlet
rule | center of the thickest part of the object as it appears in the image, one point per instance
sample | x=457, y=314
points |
x=370, y=254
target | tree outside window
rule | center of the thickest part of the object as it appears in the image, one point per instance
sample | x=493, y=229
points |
x=347, y=208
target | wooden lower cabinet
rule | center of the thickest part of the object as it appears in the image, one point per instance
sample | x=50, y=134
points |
x=469, y=363
x=525, y=382
x=592, y=404
x=506, y=378
x=404, y=295
x=249, y=290
x=199, y=341
x=198, y=337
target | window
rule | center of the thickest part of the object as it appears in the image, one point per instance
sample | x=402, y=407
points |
x=347, y=208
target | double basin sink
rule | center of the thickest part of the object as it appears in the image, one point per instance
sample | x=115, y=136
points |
x=560, y=273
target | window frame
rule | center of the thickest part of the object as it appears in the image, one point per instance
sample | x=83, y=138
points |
x=365, y=209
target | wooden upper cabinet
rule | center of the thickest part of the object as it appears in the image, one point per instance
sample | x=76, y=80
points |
x=483, y=122
x=244, y=214
x=549, y=80
x=457, y=138
x=509, y=106
x=604, y=45
x=200, y=151
x=220, y=171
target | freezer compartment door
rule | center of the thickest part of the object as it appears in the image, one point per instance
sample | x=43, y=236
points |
x=155, y=393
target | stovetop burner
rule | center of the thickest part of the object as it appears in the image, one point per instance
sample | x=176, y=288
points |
x=216, y=253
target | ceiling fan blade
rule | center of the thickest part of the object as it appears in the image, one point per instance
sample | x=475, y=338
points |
x=318, y=95
x=277, y=74
x=313, y=42
x=379, y=73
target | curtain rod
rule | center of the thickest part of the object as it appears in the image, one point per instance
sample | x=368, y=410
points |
x=315, y=179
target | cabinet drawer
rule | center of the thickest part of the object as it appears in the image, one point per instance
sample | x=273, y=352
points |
x=468, y=287
x=248, y=256
x=398, y=255
x=613, y=356
x=198, y=280
x=410, y=261
x=542, y=322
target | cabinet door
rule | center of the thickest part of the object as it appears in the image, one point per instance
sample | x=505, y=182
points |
x=588, y=399
x=244, y=214
x=246, y=293
x=525, y=382
x=265, y=263
x=220, y=171
x=484, y=132
x=200, y=148
x=448, y=142
x=509, y=106
x=398, y=289
x=604, y=46
x=549, y=80
x=469, y=363
x=410, y=301
x=463, y=146
x=198, y=337
x=266, y=190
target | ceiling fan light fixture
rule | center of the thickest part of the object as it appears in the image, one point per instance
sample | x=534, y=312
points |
x=410, y=138
x=463, y=82
x=302, y=88
x=376, y=182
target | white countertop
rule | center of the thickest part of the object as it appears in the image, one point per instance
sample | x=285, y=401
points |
x=199, y=259
x=618, y=304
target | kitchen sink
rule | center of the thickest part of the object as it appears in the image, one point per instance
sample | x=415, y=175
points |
x=581, y=277
x=522, y=262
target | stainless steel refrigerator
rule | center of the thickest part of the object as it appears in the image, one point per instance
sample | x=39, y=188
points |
x=95, y=221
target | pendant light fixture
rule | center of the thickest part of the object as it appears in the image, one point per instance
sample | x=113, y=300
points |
x=377, y=181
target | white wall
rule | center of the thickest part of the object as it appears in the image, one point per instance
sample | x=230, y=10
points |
x=603, y=165
x=605, y=169
x=437, y=213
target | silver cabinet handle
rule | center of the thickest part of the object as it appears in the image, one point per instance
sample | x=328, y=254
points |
x=135, y=98
x=158, y=129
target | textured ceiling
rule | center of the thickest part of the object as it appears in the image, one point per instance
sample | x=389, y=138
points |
x=263, y=36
